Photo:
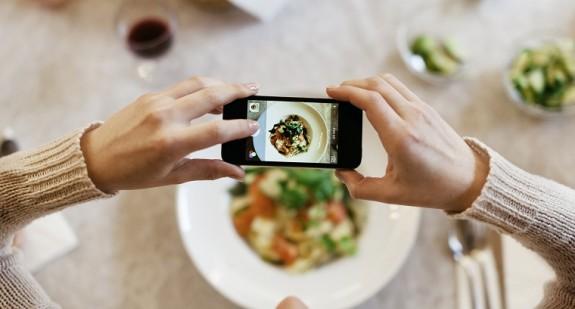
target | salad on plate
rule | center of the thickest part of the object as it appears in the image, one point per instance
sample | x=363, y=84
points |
x=297, y=219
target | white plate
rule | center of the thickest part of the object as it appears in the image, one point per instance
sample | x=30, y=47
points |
x=239, y=274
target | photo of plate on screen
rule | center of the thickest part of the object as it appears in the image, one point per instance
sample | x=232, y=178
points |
x=294, y=132
x=291, y=136
x=296, y=219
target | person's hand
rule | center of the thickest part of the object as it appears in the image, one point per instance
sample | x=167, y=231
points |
x=291, y=302
x=145, y=144
x=429, y=164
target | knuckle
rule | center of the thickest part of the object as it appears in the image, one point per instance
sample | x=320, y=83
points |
x=197, y=81
x=147, y=98
x=217, y=131
x=239, y=89
x=374, y=82
x=163, y=143
x=159, y=116
x=374, y=97
x=212, y=95
x=387, y=76
x=179, y=179
x=211, y=172
x=418, y=113
x=422, y=114
x=428, y=110
x=353, y=192
x=413, y=137
x=212, y=175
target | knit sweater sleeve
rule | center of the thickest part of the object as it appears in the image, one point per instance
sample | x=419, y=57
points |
x=34, y=184
x=537, y=212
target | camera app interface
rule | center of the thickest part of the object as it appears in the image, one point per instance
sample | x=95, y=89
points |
x=303, y=132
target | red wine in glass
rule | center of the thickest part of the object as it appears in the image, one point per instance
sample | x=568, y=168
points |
x=150, y=37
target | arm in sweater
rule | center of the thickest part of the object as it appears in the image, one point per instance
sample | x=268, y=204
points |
x=34, y=184
x=537, y=212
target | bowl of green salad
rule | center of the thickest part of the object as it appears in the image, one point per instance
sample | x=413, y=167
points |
x=540, y=78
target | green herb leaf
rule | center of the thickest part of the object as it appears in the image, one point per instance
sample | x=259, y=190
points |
x=347, y=245
x=293, y=198
x=328, y=243
x=239, y=189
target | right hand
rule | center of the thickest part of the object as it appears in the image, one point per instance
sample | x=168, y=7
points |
x=429, y=164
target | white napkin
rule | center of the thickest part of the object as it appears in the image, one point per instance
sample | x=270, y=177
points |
x=45, y=240
x=264, y=10
x=525, y=275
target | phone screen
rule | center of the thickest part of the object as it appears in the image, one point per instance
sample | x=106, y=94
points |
x=299, y=132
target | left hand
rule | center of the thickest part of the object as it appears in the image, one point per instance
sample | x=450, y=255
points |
x=146, y=144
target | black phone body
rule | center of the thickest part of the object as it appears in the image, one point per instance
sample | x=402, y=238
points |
x=296, y=132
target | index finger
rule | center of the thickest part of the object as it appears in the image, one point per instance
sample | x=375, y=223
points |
x=213, y=98
x=208, y=134
x=191, y=85
x=400, y=87
x=378, y=111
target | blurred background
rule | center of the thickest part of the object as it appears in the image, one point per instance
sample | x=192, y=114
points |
x=64, y=67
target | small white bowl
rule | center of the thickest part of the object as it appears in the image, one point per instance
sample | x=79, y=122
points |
x=454, y=23
x=534, y=110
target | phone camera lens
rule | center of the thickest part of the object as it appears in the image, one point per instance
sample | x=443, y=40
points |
x=254, y=107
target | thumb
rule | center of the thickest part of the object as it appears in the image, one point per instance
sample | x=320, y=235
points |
x=366, y=188
x=203, y=169
x=291, y=302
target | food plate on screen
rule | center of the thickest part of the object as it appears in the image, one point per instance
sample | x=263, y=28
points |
x=279, y=117
x=345, y=271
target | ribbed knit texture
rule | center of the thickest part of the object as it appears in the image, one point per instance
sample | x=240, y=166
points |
x=537, y=212
x=34, y=184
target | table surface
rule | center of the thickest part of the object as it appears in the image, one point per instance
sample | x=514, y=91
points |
x=63, y=69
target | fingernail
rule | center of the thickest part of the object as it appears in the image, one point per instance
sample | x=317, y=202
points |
x=332, y=87
x=252, y=86
x=253, y=125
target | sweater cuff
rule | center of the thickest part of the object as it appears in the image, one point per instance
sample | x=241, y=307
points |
x=57, y=173
x=38, y=182
x=510, y=197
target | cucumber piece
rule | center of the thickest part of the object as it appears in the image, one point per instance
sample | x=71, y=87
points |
x=569, y=96
x=453, y=50
x=522, y=62
x=537, y=81
x=553, y=99
x=567, y=59
x=423, y=45
x=555, y=76
x=529, y=96
x=520, y=82
x=439, y=63
x=540, y=58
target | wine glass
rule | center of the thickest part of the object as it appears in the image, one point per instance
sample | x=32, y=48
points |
x=148, y=29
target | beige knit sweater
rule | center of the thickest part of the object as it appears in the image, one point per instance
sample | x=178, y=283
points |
x=537, y=212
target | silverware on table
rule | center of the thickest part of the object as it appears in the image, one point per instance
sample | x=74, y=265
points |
x=468, y=242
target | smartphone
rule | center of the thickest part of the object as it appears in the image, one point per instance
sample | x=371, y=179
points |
x=302, y=132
